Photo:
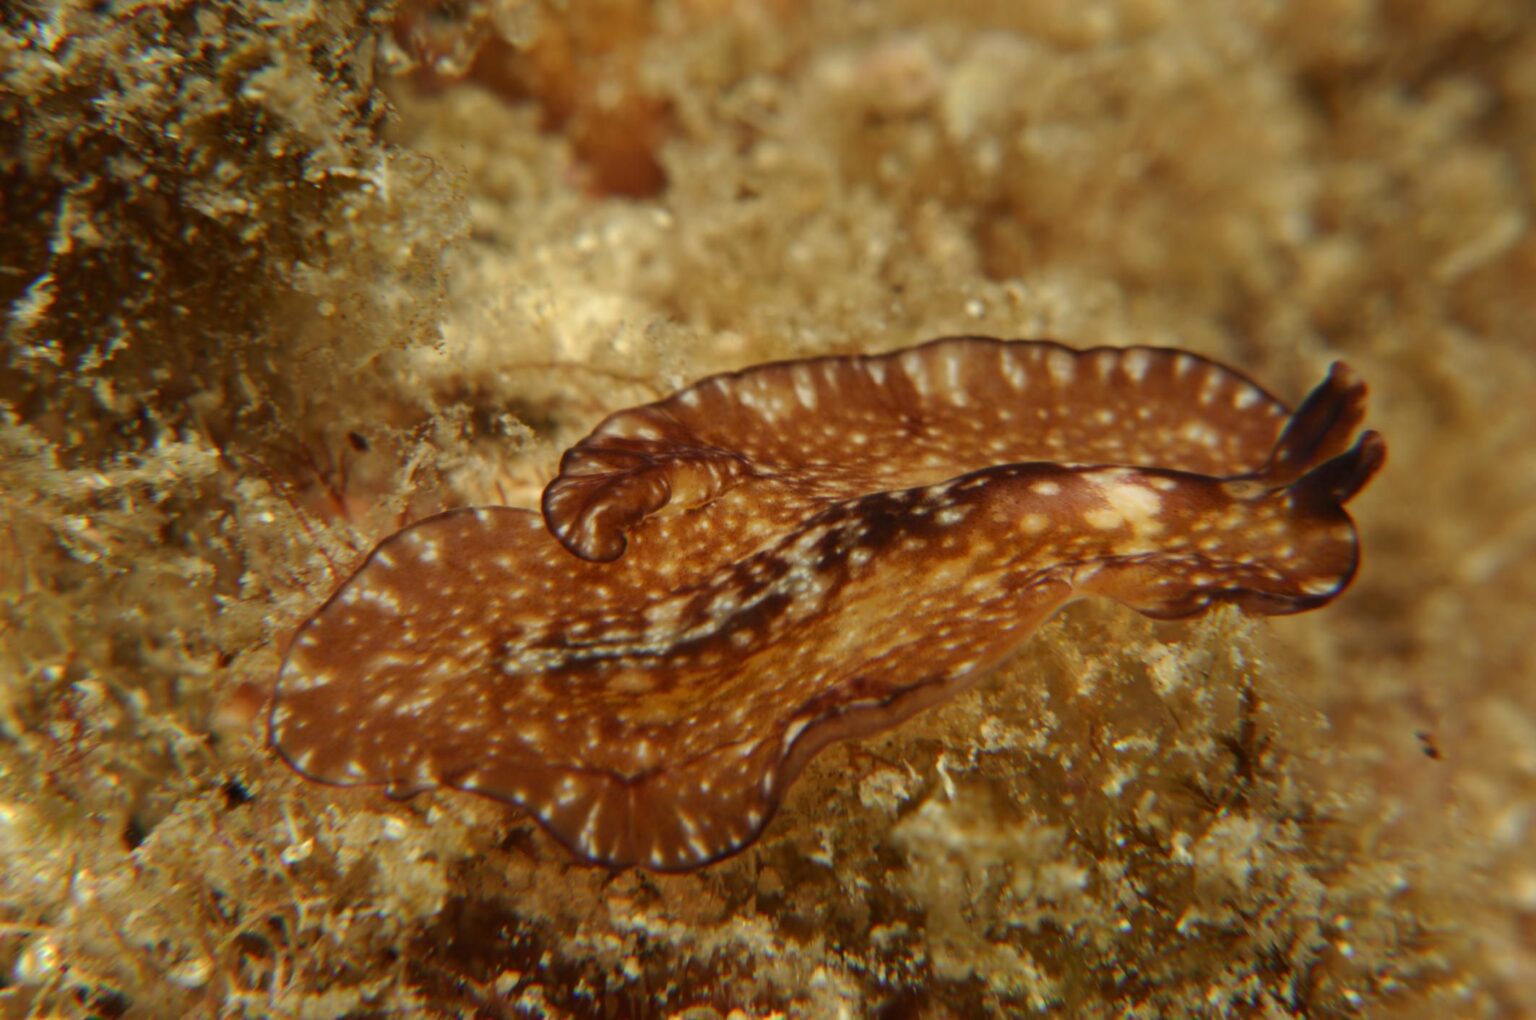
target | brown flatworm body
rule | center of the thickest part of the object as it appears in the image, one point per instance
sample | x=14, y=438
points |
x=724, y=582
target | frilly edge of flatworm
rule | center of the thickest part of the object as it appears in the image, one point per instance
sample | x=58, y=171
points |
x=905, y=418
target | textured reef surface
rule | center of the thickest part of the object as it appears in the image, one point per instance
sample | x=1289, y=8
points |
x=278, y=280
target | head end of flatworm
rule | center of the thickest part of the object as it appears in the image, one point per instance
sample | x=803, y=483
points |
x=1276, y=540
x=1317, y=552
x=1315, y=471
x=1317, y=467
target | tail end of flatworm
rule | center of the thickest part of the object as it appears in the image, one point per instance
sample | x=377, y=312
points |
x=591, y=513
x=609, y=484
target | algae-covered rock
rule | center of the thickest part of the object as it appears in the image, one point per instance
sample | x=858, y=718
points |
x=199, y=214
x=278, y=277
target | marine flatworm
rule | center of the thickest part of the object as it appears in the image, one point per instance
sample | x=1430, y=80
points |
x=726, y=581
